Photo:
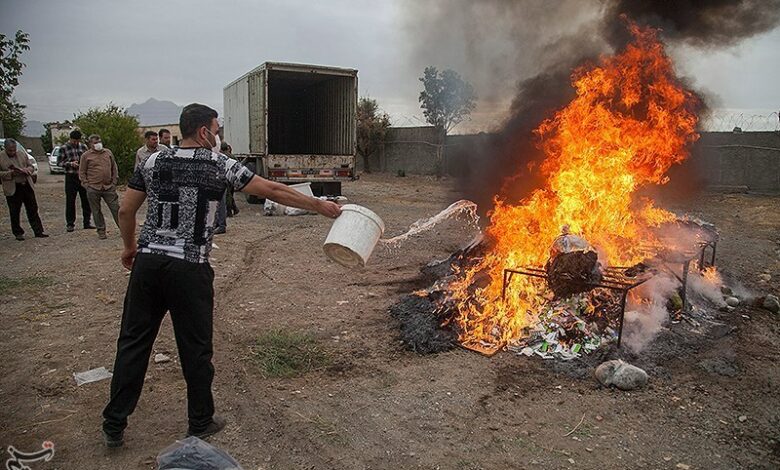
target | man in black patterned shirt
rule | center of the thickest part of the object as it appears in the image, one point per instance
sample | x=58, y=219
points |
x=169, y=264
x=70, y=155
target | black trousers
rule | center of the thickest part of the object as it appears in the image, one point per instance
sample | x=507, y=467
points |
x=72, y=187
x=24, y=196
x=159, y=283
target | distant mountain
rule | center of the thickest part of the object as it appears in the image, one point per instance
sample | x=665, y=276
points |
x=33, y=129
x=154, y=112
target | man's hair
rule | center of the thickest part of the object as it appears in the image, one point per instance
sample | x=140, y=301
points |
x=163, y=131
x=94, y=136
x=193, y=117
x=9, y=142
x=75, y=134
x=148, y=134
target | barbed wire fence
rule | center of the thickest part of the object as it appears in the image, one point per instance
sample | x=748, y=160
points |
x=725, y=121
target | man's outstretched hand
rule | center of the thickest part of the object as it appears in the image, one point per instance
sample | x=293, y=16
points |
x=329, y=209
x=128, y=255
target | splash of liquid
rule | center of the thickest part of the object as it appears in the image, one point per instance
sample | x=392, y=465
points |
x=463, y=208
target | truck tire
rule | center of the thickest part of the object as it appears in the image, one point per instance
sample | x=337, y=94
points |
x=326, y=188
x=252, y=199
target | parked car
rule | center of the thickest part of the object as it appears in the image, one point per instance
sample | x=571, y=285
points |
x=53, y=166
x=30, y=158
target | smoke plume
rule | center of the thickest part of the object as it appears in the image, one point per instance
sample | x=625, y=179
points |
x=520, y=55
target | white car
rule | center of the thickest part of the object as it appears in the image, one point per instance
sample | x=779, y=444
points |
x=32, y=160
x=53, y=166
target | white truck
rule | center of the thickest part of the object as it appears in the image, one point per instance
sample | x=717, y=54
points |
x=294, y=123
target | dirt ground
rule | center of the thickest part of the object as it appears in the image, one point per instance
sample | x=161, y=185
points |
x=377, y=406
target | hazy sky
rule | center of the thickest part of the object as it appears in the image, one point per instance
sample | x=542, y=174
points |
x=89, y=52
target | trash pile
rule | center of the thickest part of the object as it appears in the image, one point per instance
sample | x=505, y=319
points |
x=566, y=329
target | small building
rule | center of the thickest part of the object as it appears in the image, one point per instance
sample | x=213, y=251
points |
x=60, y=131
x=174, y=128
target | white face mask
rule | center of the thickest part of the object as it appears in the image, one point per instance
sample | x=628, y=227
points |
x=98, y=146
x=217, y=143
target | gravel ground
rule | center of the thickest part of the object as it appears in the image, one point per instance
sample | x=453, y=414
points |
x=714, y=402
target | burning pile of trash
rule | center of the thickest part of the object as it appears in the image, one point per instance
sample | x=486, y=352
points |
x=568, y=328
x=557, y=270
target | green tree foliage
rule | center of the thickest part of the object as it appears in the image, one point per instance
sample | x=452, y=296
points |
x=47, y=141
x=118, y=130
x=371, y=129
x=446, y=98
x=11, y=112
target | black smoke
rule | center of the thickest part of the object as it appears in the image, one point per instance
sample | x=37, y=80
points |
x=504, y=162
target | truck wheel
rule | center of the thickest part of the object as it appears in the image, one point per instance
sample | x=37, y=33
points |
x=326, y=188
x=250, y=198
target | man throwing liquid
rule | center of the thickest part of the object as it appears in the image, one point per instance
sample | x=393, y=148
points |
x=170, y=268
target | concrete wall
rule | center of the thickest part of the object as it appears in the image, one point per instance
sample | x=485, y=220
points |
x=410, y=149
x=749, y=159
x=35, y=144
x=719, y=159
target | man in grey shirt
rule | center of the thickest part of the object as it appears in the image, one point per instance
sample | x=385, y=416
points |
x=151, y=145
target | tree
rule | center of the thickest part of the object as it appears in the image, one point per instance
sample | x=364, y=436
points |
x=11, y=112
x=46, y=140
x=371, y=129
x=446, y=98
x=117, y=129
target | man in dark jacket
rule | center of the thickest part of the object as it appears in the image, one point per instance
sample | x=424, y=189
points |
x=70, y=155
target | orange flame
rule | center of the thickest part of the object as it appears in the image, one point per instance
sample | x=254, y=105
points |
x=629, y=123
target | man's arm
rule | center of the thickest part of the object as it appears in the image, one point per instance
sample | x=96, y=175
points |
x=284, y=194
x=6, y=174
x=114, y=170
x=83, y=170
x=131, y=202
x=138, y=159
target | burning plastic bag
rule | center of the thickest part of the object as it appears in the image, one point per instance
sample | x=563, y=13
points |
x=573, y=266
x=194, y=454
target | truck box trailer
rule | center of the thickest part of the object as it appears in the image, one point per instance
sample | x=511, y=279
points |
x=294, y=122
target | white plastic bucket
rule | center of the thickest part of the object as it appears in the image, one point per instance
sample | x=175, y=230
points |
x=274, y=208
x=353, y=236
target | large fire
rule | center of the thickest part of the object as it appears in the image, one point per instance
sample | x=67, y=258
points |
x=630, y=121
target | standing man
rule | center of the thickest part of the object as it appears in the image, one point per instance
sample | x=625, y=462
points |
x=98, y=173
x=230, y=200
x=16, y=173
x=170, y=269
x=70, y=153
x=151, y=145
x=165, y=137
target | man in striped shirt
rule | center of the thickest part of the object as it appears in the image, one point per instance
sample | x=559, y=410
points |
x=70, y=155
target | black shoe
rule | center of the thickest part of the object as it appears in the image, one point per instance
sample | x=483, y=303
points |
x=113, y=441
x=71, y=228
x=20, y=238
x=41, y=235
x=90, y=226
x=217, y=425
x=220, y=230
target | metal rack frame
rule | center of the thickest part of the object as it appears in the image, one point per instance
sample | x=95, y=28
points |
x=613, y=279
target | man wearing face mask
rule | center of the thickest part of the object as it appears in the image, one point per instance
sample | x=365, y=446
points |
x=99, y=174
x=169, y=264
